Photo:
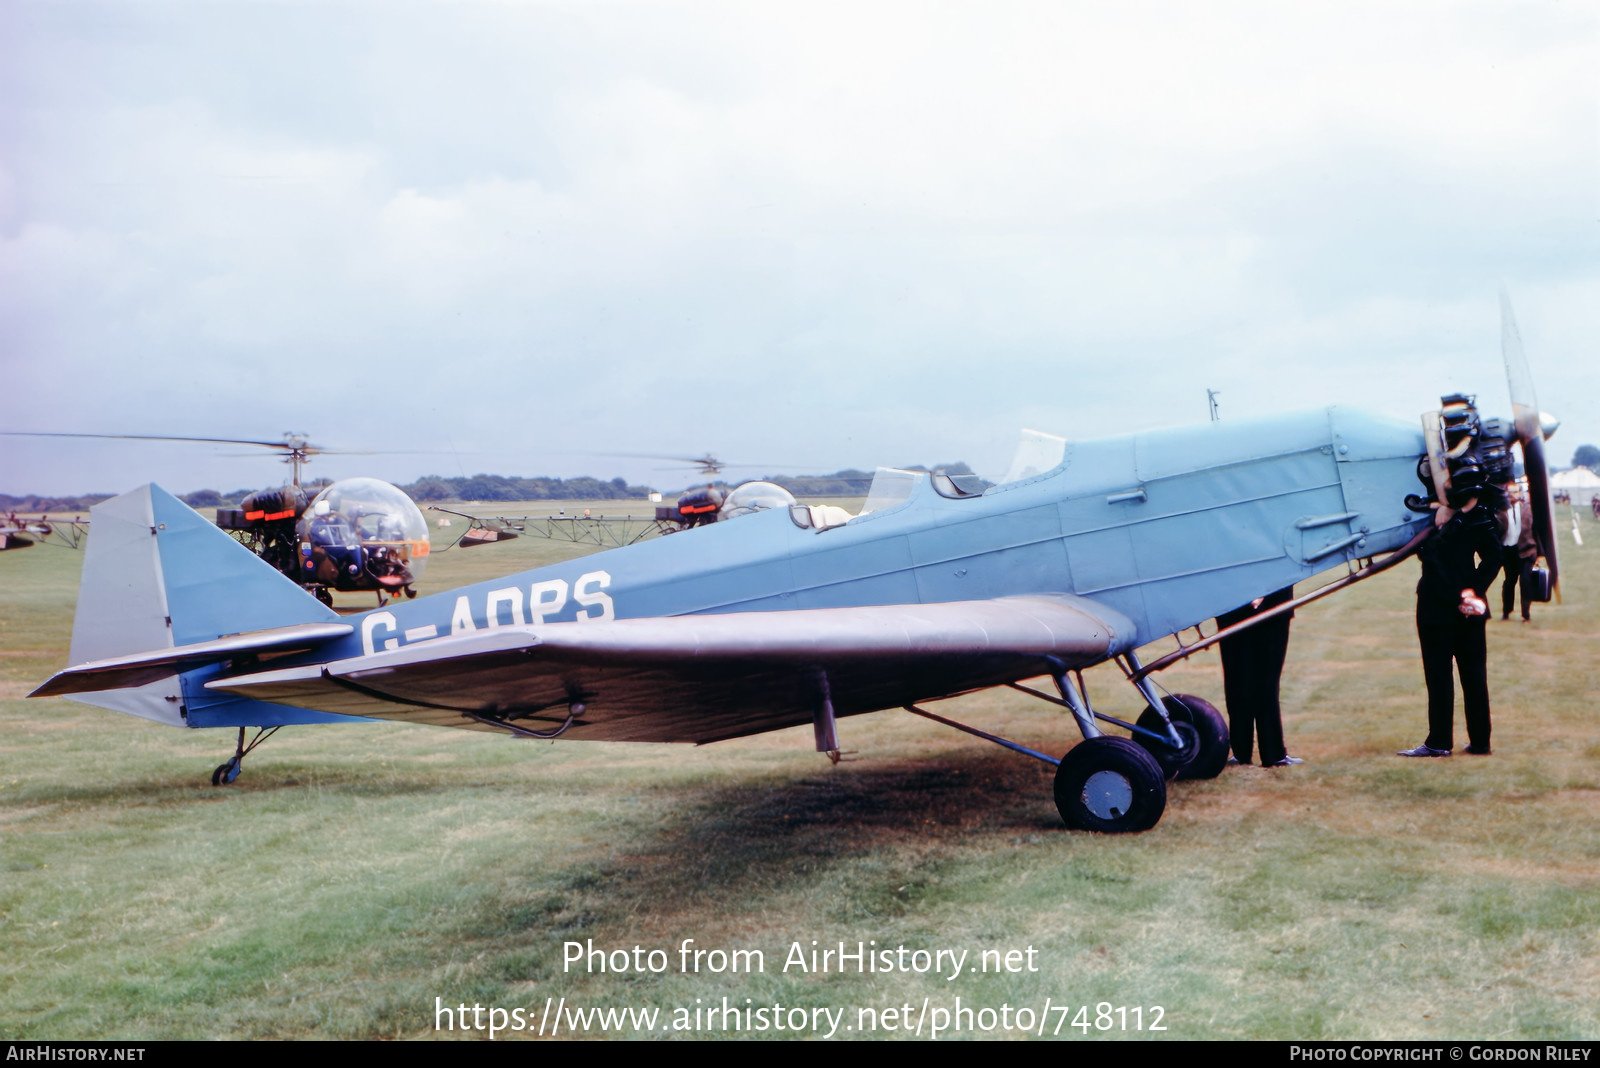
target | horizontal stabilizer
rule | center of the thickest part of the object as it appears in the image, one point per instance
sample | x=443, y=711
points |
x=137, y=669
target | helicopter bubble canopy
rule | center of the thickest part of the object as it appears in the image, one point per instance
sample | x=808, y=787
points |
x=363, y=527
x=755, y=497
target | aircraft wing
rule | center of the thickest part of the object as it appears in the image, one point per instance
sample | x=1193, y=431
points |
x=702, y=678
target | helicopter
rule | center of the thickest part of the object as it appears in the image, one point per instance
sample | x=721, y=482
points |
x=352, y=535
x=356, y=534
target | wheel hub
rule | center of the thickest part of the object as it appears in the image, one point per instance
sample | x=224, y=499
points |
x=1107, y=794
x=1191, y=743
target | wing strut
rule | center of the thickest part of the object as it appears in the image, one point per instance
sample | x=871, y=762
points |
x=1015, y=747
x=1124, y=724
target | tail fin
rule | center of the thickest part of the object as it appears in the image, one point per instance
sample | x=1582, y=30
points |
x=156, y=574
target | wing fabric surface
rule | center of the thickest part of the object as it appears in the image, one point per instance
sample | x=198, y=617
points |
x=703, y=678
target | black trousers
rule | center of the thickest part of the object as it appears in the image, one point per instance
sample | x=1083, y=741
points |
x=1463, y=641
x=1516, y=574
x=1252, y=664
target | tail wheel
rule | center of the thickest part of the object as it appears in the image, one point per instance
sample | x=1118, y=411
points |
x=1110, y=784
x=1196, y=719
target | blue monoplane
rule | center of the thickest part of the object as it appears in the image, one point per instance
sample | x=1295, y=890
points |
x=796, y=614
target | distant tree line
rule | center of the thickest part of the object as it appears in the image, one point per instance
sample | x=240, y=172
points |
x=470, y=488
x=1587, y=456
x=33, y=502
x=847, y=483
x=505, y=488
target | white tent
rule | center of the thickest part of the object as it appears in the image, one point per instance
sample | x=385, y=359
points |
x=1580, y=482
x=1580, y=485
x=1575, y=478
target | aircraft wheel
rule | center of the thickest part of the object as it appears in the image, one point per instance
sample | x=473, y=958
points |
x=1110, y=784
x=1212, y=730
x=411, y=594
x=324, y=596
x=225, y=773
x=1203, y=730
x=1172, y=761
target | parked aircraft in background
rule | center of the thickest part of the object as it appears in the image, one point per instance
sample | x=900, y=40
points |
x=357, y=534
x=22, y=532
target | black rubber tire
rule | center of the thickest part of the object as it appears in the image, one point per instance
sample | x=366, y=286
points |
x=1172, y=761
x=1112, y=785
x=216, y=776
x=1212, y=729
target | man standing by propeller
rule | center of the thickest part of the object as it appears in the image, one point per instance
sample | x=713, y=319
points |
x=1459, y=561
x=1470, y=463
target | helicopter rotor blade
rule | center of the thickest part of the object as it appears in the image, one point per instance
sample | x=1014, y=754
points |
x=1530, y=432
x=304, y=448
x=158, y=437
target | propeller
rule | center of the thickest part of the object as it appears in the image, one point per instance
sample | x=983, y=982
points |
x=1532, y=429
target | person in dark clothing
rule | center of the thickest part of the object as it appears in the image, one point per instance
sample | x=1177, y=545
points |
x=1518, y=556
x=1252, y=664
x=1459, y=561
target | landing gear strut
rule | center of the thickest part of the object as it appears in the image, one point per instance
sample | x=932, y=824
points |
x=1104, y=783
x=1118, y=785
x=229, y=770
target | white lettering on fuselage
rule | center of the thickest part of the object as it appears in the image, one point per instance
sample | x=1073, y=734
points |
x=461, y=620
x=546, y=599
x=510, y=595
x=593, y=598
x=503, y=607
x=372, y=623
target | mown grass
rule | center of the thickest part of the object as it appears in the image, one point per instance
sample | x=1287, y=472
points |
x=354, y=874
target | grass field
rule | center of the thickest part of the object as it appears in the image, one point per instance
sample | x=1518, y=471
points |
x=355, y=874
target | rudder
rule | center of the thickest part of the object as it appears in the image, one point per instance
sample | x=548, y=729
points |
x=157, y=574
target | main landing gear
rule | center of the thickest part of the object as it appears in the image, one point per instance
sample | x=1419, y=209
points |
x=1118, y=785
x=229, y=770
x=1110, y=784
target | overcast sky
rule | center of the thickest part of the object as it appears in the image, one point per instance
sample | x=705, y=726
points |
x=512, y=236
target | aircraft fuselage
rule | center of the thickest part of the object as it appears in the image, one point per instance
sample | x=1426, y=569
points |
x=1167, y=527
